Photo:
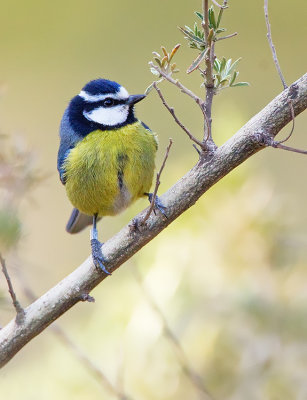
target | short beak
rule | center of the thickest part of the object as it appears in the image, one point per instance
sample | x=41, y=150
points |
x=135, y=98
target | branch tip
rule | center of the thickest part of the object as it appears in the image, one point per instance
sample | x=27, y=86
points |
x=87, y=297
x=19, y=310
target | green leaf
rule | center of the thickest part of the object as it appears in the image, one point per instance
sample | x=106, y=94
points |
x=196, y=29
x=233, y=66
x=164, y=60
x=212, y=22
x=223, y=63
x=191, y=36
x=219, y=17
x=220, y=30
x=228, y=65
x=240, y=84
x=149, y=89
x=189, y=29
x=154, y=71
x=234, y=76
x=217, y=65
x=197, y=61
x=199, y=15
x=210, y=35
x=157, y=60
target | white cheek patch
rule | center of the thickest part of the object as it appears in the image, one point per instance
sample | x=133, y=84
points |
x=108, y=116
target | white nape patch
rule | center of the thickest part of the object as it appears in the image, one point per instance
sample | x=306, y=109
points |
x=122, y=94
x=110, y=116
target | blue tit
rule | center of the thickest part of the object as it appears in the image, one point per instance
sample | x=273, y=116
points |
x=106, y=158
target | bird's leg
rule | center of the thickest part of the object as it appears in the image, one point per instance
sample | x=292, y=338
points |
x=157, y=204
x=96, y=248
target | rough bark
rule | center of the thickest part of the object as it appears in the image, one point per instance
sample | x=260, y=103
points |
x=251, y=138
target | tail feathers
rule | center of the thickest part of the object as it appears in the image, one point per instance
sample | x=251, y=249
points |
x=78, y=221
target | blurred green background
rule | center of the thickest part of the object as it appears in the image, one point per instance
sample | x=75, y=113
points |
x=229, y=275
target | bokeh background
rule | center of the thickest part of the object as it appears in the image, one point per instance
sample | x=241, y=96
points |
x=229, y=276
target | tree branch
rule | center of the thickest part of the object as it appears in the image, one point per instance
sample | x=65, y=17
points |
x=250, y=139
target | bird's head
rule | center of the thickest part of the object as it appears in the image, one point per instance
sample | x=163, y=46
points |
x=102, y=104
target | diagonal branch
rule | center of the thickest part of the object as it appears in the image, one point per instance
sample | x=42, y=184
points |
x=250, y=139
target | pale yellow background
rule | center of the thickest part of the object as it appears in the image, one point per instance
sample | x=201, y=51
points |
x=213, y=254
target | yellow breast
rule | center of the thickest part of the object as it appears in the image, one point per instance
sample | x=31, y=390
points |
x=108, y=170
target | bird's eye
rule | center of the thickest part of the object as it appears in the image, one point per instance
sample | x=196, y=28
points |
x=108, y=102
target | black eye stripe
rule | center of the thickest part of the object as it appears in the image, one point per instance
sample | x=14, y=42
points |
x=91, y=106
x=115, y=102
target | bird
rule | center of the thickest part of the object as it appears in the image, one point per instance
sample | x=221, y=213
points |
x=106, y=157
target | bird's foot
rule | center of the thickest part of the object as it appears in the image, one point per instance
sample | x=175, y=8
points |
x=97, y=256
x=158, y=205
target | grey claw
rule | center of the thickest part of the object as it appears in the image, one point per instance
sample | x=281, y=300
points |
x=158, y=204
x=97, y=256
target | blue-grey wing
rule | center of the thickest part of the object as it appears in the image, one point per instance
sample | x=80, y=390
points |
x=146, y=126
x=68, y=140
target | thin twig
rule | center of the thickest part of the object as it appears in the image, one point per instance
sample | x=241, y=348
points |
x=196, y=148
x=224, y=6
x=227, y=37
x=209, y=43
x=19, y=310
x=171, y=110
x=278, y=145
x=293, y=123
x=175, y=82
x=154, y=195
x=209, y=77
x=217, y=4
x=192, y=375
x=269, y=36
x=205, y=22
x=277, y=65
